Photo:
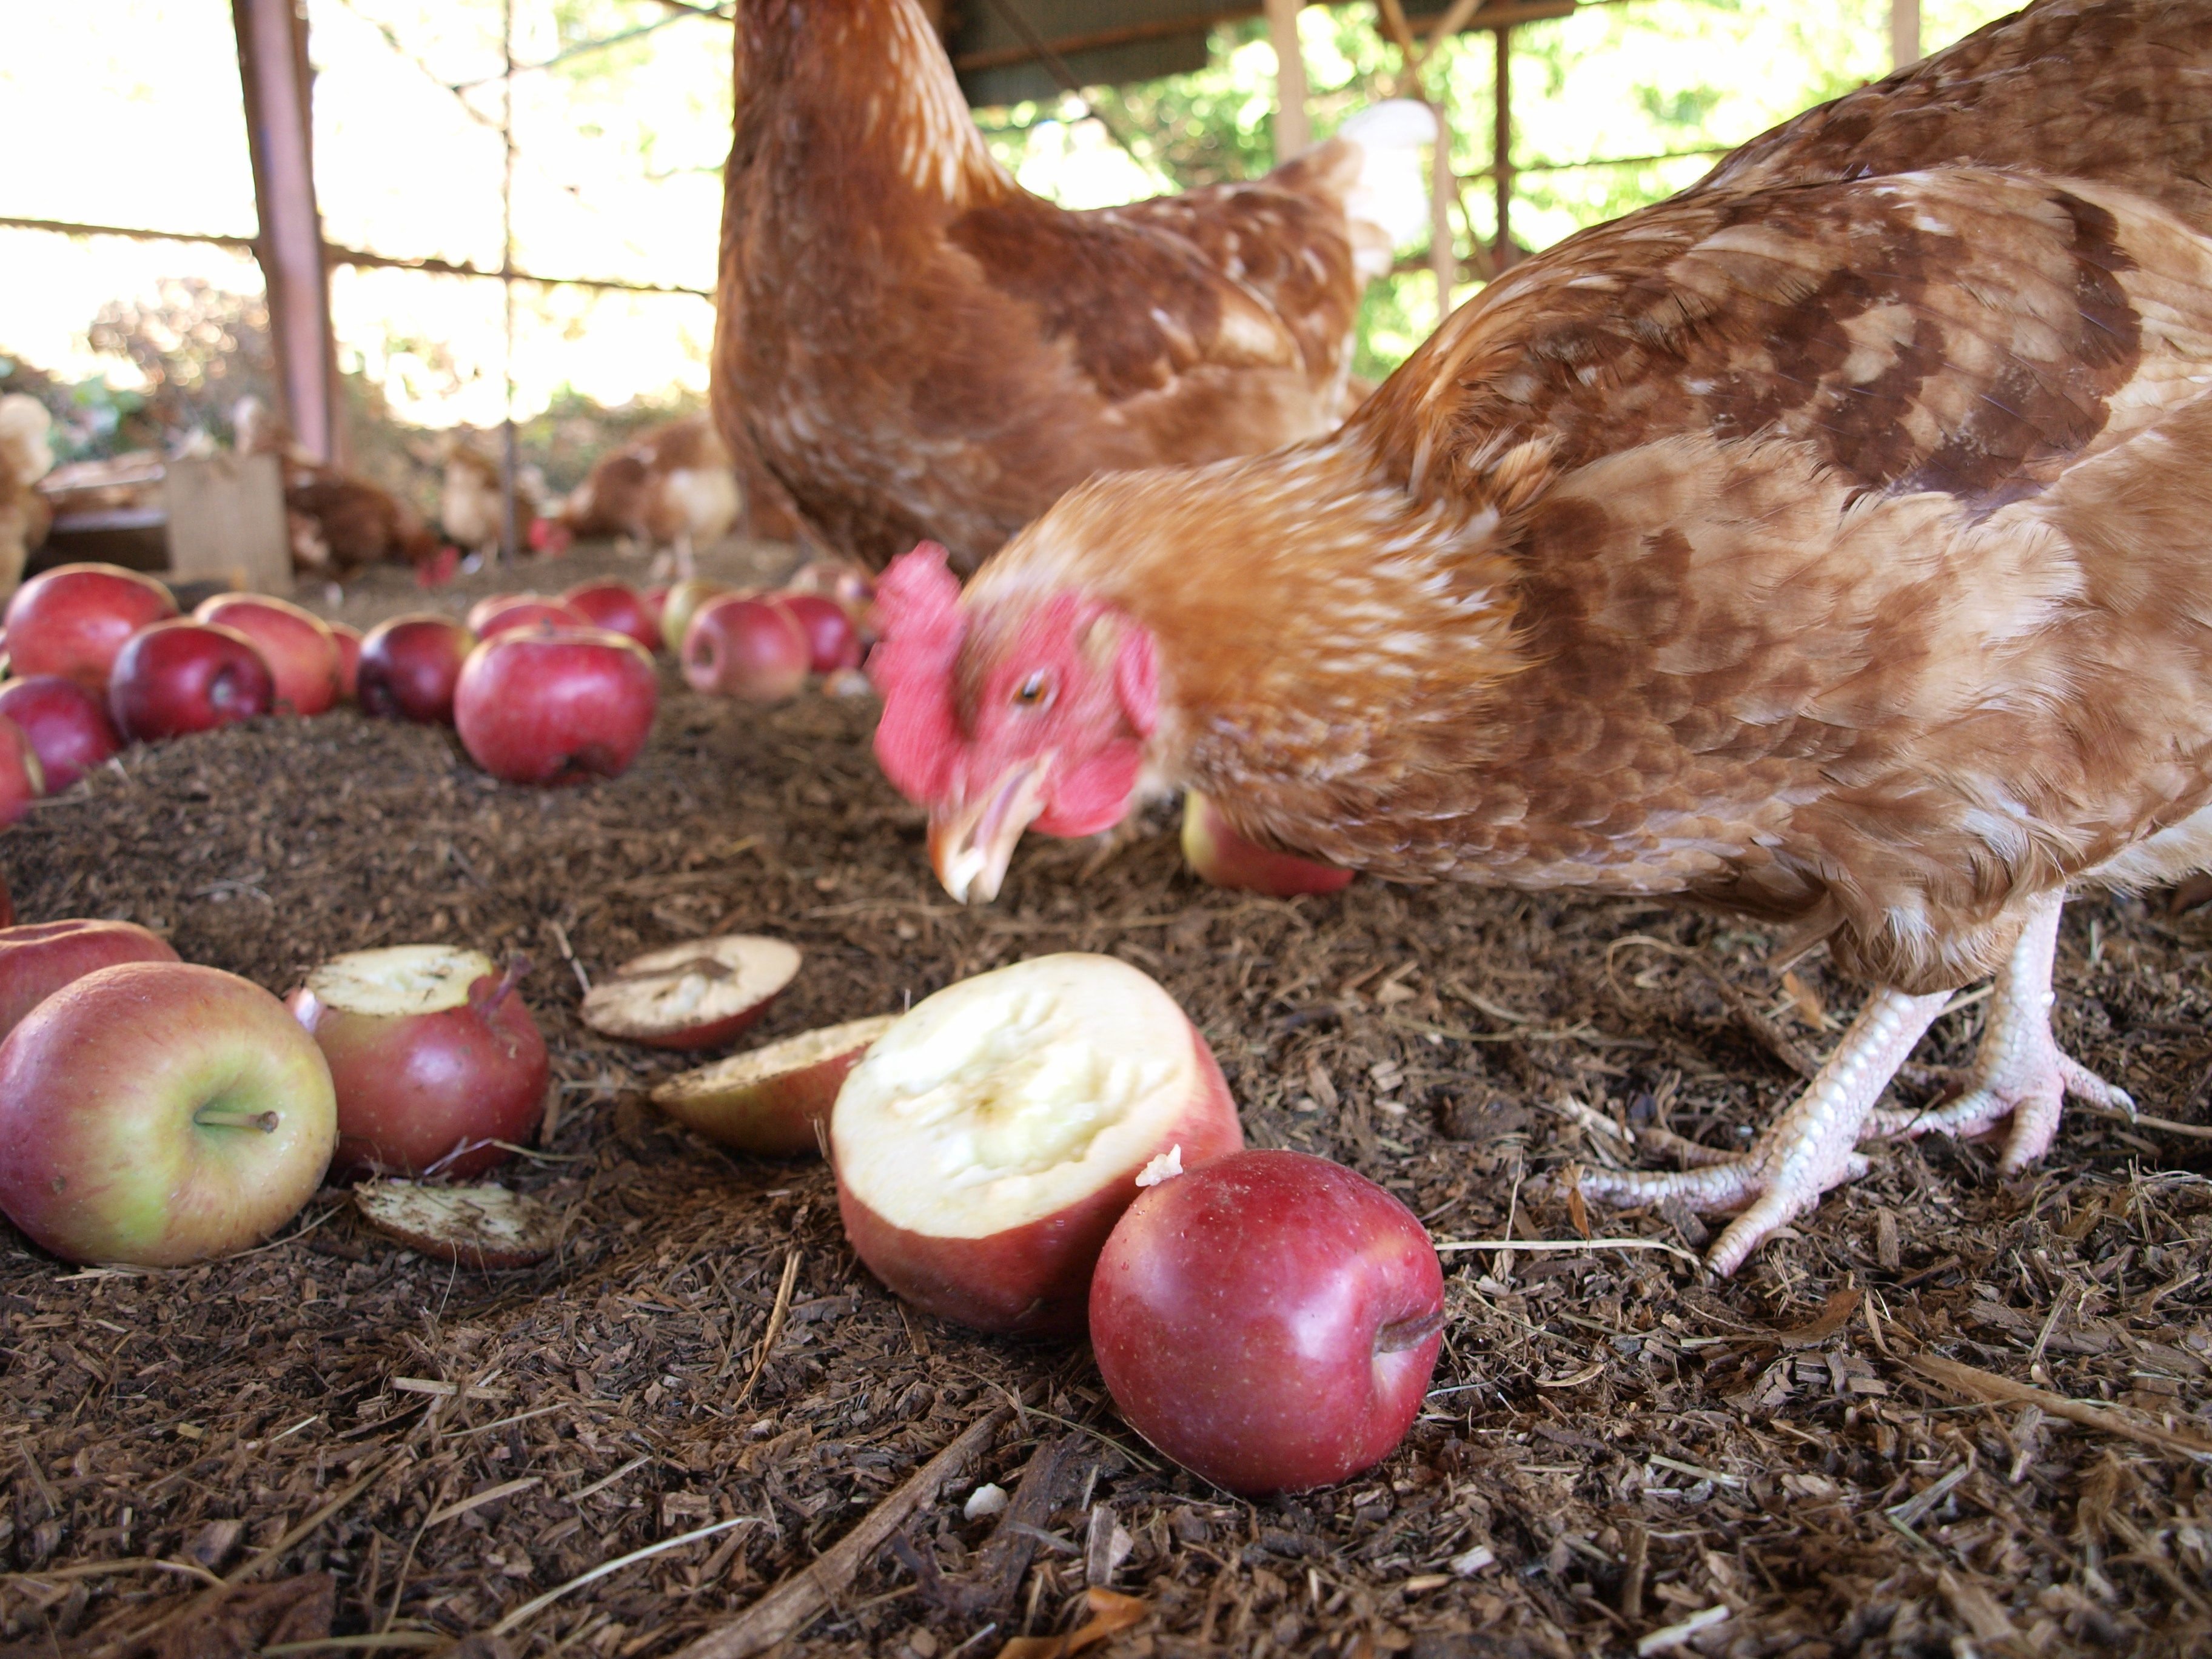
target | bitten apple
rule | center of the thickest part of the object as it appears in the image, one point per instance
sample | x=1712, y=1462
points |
x=990, y=1140
x=556, y=705
x=297, y=645
x=1270, y=1322
x=179, y=677
x=68, y=727
x=158, y=1113
x=745, y=647
x=23, y=780
x=74, y=618
x=692, y=995
x=37, y=959
x=773, y=1102
x=433, y=1056
x=410, y=665
x=1226, y=858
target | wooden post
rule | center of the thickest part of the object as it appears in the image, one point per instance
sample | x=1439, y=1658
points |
x=1502, y=150
x=1293, y=132
x=272, y=66
x=1903, y=33
x=227, y=521
x=1443, y=191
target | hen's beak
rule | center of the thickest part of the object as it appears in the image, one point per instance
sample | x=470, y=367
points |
x=970, y=843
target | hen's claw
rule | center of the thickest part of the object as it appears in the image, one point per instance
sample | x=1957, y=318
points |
x=2019, y=1072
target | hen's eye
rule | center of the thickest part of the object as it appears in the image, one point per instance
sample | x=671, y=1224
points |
x=1033, y=691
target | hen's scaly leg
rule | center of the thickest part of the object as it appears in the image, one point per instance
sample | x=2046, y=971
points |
x=686, y=567
x=2019, y=1071
x=1804, y=1151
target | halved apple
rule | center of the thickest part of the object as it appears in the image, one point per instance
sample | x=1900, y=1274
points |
x=772, y=1101
x=485, y=1227
x=692, y=995
x=990, y=1140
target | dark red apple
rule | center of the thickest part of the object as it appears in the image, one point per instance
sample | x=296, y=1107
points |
x=745, y=647
x=832, y=642
x=410, y=665
x=297, y=645
x=692, y=995
x=349, y=639
x=38, y=959
x=67, y=725
x=655, y=601
x=1270, y=1322
x=772, y=1101
x=1226, y=858
x=7, y=904
x=74, y=619
x=158, y=1113
x=177, y=676
x=556, y=705
x=991, y=1139
x=433, y=1056
x=499, y=613
x=616, y=606
x=23, y=780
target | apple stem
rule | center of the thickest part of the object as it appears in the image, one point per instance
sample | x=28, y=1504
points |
x=518, y=970
x=222, y=1117
x=1401, y=1335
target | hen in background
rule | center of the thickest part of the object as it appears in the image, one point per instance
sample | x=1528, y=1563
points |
x=917, y=347
x=25, y=458
x=472, y=501
x=674, y=487
x=339, y=524
x=1830, y=543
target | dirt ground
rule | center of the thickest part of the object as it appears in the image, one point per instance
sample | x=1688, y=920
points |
x=1948, y=1413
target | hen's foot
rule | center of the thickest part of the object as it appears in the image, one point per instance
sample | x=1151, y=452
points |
x=2019, y=1071
x=1803, y=1152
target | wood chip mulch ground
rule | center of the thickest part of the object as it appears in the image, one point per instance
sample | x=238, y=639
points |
x=1948, y=1413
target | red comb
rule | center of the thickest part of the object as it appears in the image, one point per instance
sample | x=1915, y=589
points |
x=918, y=617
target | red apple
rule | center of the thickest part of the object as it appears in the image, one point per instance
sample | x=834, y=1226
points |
x=158, y=1113
x=433, y=1056
x=655, y=601
x=177, y=676
x=848, y=585
x=7, y=905
x=1226, y=858
x=74, y=618
x=680, y=602
x=832, y=642
x=297, y=645
x=23, y=780
x=745, y=648
x=349, y=639
x=616, y=606
x=990, y=1140
x=692, y=995
x=773, y=1102
x=67, y=725
x=410, y=665
x=556, y=705
x=1270, y=1322
x=38, y=959
x=498, y=613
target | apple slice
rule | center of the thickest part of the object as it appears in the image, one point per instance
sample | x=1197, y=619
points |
x=692, y=995
x=988, y=1143
x=772, y=1101
x=487, y=1228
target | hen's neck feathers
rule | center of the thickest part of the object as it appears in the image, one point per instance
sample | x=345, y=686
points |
x=823, y=83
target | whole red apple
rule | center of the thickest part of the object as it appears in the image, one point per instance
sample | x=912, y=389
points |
x=158, y=1113
x=991, y=1139
x=1226, y=858
x=67, y=725
x=409, y=667
x=37, y=959
x=498, y=613
x=74, y=618
x=832, y=642
x=23, y=780
x=7, y=904
x=1270, y=1322
x=297, y=645
x=349, y=639
x=745, y=648
x=556, y=705
x=616, y=607
x=655, y=601
x=433, y=1056
x=177, y=676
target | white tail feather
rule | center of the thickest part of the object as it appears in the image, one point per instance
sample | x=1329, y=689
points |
x=1388, y=203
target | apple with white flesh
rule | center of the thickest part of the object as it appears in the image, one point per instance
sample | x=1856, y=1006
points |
x=158, y=1113
x=39, y=957
x=410, y=665
x=74, y=618
x=773, y=1102
x=1270, y=1322
x=68, y=727
x=433, y=1054
x=990, y=1140
x=23, y=780
x=556, y=705
x=297, y=645
x=744, y=647
x=1226, y=858
x=486, y=1228
x=616, y=606
x=692, y=995
x=180, y=676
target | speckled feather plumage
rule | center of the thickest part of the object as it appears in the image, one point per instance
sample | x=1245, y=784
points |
x=917, y=348
x=1832, y=542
